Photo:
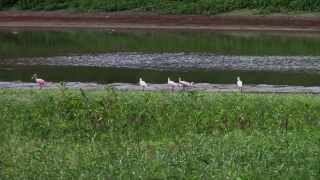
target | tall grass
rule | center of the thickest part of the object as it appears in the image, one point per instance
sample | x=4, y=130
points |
x=167, y=6
x=110, y=134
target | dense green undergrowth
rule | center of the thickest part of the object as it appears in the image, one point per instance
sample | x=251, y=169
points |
x=110, y=134
x=166, y=6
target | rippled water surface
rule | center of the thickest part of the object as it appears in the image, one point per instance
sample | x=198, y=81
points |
x=98, y=56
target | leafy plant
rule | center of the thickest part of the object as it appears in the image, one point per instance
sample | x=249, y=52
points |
x=168, y=7
x=112, y=134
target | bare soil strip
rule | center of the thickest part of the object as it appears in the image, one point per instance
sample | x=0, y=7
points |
x=147, y=21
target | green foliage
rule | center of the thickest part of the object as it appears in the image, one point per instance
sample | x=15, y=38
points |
x=168, y=6
x=38, y=5
x=7, y=3
x=111, y=134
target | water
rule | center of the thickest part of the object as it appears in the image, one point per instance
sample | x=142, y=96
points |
x=103, y=57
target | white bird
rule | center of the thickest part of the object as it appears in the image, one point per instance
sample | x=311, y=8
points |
x=143, y=84
x=239, y=83
x=185, y=84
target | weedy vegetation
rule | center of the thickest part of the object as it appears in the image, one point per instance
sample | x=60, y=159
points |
x=167, y=6
x=112, y=134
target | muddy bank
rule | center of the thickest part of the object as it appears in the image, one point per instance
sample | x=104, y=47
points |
x=205, y=87
x=145, y=21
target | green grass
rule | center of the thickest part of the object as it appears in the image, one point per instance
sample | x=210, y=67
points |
x=166, y=6
x=110, y=134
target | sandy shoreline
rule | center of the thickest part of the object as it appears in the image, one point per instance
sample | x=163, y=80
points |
x=122, y=21
x=262, y=88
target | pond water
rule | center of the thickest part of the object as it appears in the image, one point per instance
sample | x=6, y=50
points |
x=104, y=57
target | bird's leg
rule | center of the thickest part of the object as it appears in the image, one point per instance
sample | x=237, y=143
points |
x=172, y=88
x=40, y=86
x=143, y=88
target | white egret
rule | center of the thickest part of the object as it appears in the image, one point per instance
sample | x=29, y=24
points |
x=143, y=84
x=239, y=83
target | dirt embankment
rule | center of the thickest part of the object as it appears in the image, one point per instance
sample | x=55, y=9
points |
x=122, y=20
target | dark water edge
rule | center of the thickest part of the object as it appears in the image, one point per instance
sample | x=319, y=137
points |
x=90, y=41
x=155, y=68
x=100, y=75
x=204, y=87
